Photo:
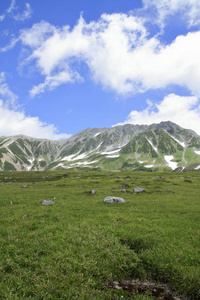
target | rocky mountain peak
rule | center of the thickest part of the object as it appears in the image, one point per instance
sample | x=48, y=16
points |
x=163, y=146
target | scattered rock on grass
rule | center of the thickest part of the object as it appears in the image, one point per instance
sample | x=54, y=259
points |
x=138, y=190
x=24, y=186
x=125, y=185
x=47, y=202
x=111, y=199
x=92, y=192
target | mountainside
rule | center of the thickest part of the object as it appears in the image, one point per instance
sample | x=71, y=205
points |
x=164, y=146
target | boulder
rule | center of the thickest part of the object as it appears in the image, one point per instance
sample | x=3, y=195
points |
x=138, y=190
x=47, y=202
x=112, y=199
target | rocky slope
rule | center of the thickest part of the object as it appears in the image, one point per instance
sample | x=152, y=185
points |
x=164, y=146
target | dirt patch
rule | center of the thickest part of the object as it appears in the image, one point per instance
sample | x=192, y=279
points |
x=158, y=291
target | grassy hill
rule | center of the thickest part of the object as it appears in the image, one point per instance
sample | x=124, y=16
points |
x=81, y=247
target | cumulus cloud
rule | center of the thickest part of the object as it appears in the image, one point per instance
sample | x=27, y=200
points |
x=184, y=111
x=103, y=45
x=19, y=123
x=189, y=10
x=119, y=54
x=13, y=121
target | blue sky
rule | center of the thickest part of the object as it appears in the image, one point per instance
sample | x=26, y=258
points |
x=68, y=65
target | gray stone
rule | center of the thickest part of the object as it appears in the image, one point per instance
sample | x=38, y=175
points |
x=138, y=190
x=47, y=202
x=112, y=199
x=124, y=185
x=24, y=186
x=124, y=191
x=92, y=192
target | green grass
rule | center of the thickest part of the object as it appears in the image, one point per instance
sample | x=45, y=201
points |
x=73, y=248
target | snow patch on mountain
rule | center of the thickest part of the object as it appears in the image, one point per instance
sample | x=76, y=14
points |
x=111, y=152
x=197, y=168
x=181, y=143
x=197, y=152
x=97, y=134
x=31, y=160
x=171, y=164
x=156, y=149
x=76, y=156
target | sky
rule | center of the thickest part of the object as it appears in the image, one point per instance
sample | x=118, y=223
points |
x=68, y=65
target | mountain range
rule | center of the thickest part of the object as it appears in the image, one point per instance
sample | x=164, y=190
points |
x=164, y=146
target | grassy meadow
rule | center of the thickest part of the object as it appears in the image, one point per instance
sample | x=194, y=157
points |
x=80, y=246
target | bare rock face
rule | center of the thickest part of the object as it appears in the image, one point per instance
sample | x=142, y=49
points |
x=47, y=202
x=111, y=199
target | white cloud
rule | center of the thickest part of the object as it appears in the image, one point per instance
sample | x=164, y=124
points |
x=189, y=10
x=51, y=82
x=36, y=36
x=118, y=53
x=11, y=45
x=13, y=11
x=25, y=15
x=13, y=122
x=9, y=97
x=184, y=111
x=102, y=45
x=11, y=7
x=2, y=17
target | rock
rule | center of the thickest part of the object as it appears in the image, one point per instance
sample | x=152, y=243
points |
x=92, y=192
x=138, y=190
x=123, y=191
x=25, y=216
x=24, y=186
x=111, y=199
x=125, y=185
x=47, y=202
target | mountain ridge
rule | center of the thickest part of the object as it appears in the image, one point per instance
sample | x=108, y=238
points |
x=162, y=146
